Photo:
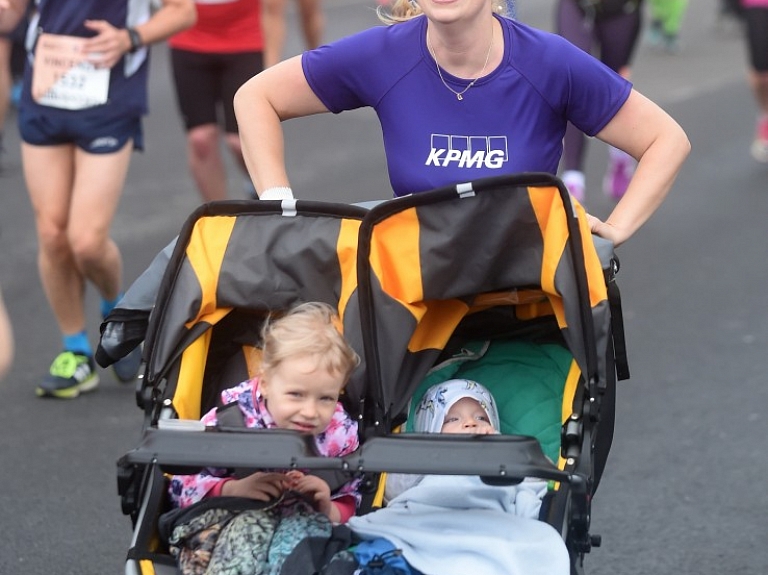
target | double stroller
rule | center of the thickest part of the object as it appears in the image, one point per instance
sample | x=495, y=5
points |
x=497, y=280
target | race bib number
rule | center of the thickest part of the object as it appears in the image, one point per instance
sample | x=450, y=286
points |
x=62, y=76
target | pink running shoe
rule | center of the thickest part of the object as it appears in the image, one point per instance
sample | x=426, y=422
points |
x=621, y=168
x=760, y=145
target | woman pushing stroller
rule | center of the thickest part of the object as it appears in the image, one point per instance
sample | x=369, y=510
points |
x=464, y=93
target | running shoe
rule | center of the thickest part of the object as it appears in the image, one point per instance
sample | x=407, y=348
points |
x=70, y=375
x=16, y=93
x=654, y=35
x=127, y=369
x=672, y=44
x=621, y=168
x=760, y=145
x=574, y=182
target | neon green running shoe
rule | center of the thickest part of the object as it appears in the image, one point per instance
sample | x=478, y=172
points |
x=70, y=375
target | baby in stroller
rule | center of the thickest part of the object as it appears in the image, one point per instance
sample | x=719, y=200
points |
x=453, y=525
x=304, y=366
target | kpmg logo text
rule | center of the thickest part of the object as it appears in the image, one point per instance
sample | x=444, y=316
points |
x=468, y=151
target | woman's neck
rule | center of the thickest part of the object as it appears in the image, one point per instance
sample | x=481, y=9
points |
x=464, y=50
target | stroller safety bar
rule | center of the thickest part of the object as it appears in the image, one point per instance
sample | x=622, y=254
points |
x=499, y=456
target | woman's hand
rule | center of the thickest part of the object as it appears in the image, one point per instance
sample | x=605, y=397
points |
x=260, y=486
x=647, y=133
x=605, y=230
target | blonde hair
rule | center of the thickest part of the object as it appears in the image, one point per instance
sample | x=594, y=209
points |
x=404, y=10
x=309, y=329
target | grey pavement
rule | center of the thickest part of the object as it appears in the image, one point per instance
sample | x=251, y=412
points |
x=682, y=490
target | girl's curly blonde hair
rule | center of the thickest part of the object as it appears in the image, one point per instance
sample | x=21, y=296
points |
x=309, y=329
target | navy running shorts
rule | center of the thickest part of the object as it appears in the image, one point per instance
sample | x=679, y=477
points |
x=88, y=132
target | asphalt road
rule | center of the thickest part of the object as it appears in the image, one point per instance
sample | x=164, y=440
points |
x=682, y=491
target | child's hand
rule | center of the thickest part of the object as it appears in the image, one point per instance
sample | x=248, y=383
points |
x=316, y=491
x=259, y=485
x=293, y=478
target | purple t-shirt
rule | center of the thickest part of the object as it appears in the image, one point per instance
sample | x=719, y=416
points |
x=511, y=121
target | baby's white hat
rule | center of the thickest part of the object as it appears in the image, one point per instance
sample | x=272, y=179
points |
x=439, y=398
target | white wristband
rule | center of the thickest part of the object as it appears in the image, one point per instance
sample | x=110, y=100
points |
x=277, y=193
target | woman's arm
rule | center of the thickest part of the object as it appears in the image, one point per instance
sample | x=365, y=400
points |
x=11, y=12
x=646, y=132
x=261, y=104
x=110, y=43
x=172, y=17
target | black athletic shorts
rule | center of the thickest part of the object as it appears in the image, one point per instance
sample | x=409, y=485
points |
x=206, y=84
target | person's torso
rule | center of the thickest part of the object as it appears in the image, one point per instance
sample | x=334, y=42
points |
x=511, y=121
x=127, y=79
x=223, y=26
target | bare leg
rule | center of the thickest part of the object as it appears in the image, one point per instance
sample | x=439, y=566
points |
x=6, y=82
x=758, y=81
x=312, y=22
x=206, y=163
x=6, y=340
x=236, y=149
x=74, y=242
x=273, y=28
x=50, y=192
x=99, y=181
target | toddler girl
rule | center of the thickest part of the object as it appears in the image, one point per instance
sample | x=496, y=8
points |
x=305, y=364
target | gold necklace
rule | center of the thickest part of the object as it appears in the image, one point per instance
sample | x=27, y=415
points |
x=460, y=95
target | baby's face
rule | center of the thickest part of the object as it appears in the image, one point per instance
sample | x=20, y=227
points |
x=467, y=416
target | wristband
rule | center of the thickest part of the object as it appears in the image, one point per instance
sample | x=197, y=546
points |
x=277, y=193
x=135, y=39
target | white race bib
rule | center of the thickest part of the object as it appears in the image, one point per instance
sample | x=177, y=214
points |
x=62, y=77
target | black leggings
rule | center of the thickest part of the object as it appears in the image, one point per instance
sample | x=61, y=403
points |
x=756, y=20
x=615, y=36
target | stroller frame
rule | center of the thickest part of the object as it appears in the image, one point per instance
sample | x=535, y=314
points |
x=589, y=318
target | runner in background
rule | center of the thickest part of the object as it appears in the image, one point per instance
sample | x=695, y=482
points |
x=312, y=27
x=79, y=120
x=210, y=62
x=610, y=30
x=755, y=16
x=666, y=22
x=8, y=39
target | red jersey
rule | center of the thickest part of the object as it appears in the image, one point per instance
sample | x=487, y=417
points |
x=223, y=26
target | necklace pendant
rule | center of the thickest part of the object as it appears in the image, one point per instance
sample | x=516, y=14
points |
x=459, y=97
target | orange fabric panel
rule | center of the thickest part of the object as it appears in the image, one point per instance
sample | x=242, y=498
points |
x=571, y=383
x=550, y=212
x=547, y=205
x=205, y=253
x=346, y=247
x=186, y=399
x=395, y=257
x=437, y=323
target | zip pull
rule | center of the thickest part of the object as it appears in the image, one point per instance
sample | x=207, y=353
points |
x=380, y=560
